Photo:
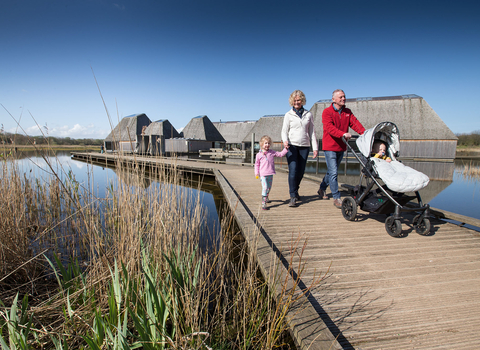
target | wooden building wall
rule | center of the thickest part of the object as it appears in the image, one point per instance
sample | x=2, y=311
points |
x=428, y=149
x=187, y=146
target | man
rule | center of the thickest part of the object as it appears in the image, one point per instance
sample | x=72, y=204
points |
x=336, y=120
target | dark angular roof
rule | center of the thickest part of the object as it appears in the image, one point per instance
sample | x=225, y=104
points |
x=162, y=127
x=201, y=128
x=270, y=125
x=128, y=128
x=234, y=132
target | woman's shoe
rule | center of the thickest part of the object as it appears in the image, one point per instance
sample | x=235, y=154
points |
x=322, y=194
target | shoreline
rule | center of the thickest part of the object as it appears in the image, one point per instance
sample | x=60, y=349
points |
x=20, y=148
x=463, y=152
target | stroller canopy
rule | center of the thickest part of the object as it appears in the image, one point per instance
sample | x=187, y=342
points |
x=386, y=132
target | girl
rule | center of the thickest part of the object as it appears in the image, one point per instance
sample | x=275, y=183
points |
x=265, y=167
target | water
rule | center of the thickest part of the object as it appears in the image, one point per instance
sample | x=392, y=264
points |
x=448, y=189
x=98, y=179
x=462, y=195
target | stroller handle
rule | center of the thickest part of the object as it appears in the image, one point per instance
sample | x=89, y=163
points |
x=354, y=137
x=350, y=148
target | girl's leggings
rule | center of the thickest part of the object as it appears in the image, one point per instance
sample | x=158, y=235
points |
x=266, y=184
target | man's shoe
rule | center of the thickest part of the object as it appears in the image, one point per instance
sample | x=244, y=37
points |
x=322, y=194
x=338, y=203
x=297, y=197
x=293, y=202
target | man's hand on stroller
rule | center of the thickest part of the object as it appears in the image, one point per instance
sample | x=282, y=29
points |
x=347, y=136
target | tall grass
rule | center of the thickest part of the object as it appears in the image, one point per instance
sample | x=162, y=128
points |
x=137, y=269
x=469, y=171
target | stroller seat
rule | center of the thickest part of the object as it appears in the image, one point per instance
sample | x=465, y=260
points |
x=399, y=177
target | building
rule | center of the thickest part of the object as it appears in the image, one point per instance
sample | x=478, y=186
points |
x=234, y=133
x=127, y=135
x=138, y=134
x=154, y=136
x=270, y=125
x=423, y=134
x=202, y=129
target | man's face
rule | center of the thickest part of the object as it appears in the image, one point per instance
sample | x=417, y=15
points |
x=339, y=99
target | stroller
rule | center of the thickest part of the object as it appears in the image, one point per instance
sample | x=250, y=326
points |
x=398, y=179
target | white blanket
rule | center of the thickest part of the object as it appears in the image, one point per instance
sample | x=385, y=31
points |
x=399, y=177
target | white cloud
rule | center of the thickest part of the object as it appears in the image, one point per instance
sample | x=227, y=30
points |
x=76, y=131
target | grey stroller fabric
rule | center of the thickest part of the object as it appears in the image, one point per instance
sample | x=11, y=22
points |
x=396, y=176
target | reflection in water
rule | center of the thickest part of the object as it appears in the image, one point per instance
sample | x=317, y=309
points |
x=449, y=189
x=468, y=169
x=98, y=178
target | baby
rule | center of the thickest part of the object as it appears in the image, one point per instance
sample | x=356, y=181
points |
x=379, y=150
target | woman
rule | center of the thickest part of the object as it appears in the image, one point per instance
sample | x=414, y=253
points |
x=297, y=133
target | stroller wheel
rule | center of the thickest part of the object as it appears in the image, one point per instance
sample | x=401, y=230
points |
x=393, y=227
x=422, y=227
x=349, y=208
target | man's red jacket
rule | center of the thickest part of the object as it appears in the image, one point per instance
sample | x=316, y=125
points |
x=335, y=125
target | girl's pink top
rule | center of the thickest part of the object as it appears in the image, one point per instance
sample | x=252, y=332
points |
x=264, y=162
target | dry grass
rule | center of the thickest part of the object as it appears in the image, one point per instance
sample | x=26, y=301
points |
x=469, y=171
x=137, y=268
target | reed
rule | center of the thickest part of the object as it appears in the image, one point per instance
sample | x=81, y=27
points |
x=469, y=171
x=137, y=269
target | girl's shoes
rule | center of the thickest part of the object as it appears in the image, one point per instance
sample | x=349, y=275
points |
x=264, y=203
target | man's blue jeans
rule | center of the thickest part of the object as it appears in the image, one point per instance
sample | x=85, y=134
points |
x=333, y=160
x=297, y=161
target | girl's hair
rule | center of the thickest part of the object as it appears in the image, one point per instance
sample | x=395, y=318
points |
x=298, y=93
x=265, y=138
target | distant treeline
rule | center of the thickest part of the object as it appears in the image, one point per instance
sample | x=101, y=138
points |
x=19, y=140
x=472, y=139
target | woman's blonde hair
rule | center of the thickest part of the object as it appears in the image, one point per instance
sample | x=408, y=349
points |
x=264, y=138
x=295, y=94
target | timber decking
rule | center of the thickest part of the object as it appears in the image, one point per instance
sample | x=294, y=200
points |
x=378, y=292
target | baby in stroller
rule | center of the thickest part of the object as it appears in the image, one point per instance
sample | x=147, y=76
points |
x=391, y=197
x=379, y=150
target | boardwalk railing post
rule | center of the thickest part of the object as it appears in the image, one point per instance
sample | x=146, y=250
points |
x=253, y=148
x=346, y=161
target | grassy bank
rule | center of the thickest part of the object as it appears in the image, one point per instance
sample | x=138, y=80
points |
x=137, y=269
x=468, y=149
x=77, y=148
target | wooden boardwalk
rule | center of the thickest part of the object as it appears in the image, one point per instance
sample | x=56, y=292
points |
x=378, y=292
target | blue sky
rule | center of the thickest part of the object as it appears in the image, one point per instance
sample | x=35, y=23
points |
x=229, y=60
